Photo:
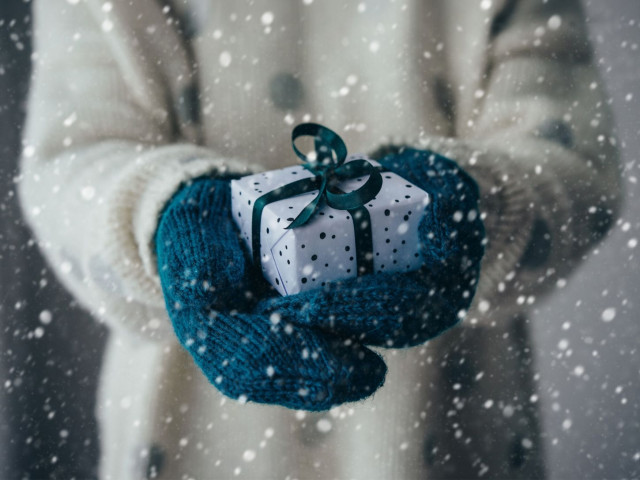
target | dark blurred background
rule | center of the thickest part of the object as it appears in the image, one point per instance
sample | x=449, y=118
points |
x=50, y=349
x=586, y=335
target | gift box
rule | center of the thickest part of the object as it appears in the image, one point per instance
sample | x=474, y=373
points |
x=330, y=219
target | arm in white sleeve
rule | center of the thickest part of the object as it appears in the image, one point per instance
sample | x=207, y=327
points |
x=103, y=153
x=532, y=125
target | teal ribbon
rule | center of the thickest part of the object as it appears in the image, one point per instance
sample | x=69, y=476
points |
x=329, y=169
x=332, y=171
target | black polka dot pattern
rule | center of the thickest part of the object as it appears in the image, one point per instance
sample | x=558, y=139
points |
x=324, y=249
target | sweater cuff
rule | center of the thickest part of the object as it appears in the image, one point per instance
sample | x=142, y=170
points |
x=137, y=204
x=506, y=198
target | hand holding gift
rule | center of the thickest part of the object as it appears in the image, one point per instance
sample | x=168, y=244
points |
x=406, y=308
x=291, y=350
x=206, y=274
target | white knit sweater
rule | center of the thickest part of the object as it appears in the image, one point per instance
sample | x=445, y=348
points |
x=507, y=88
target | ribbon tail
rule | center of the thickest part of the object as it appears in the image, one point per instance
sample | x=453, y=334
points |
x=298, y=187
x=308, y=211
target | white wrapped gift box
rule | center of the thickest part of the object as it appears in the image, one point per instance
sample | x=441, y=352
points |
x=324, y=249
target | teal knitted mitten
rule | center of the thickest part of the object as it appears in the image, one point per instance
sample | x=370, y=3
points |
x=209, y=285
x=405, y=309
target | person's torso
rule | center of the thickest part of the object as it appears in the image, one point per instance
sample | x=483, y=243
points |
x=374, y=72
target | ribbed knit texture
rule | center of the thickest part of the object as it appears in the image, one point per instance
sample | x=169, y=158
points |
x=205, y=276
x=406, y=309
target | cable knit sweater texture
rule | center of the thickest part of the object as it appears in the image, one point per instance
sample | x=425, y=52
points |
x=124, y=109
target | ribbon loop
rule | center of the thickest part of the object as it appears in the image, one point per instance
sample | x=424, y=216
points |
x=359, y=197
x=326, y=143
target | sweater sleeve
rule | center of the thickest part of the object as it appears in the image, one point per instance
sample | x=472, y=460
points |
x=532, y=125
x=102, y=155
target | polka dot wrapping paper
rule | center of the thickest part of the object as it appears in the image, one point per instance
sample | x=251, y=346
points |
x=324, y=249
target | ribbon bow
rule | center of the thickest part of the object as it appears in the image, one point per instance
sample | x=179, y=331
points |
x=330, y=171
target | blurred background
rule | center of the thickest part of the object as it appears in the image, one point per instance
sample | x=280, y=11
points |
x=586, y=335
